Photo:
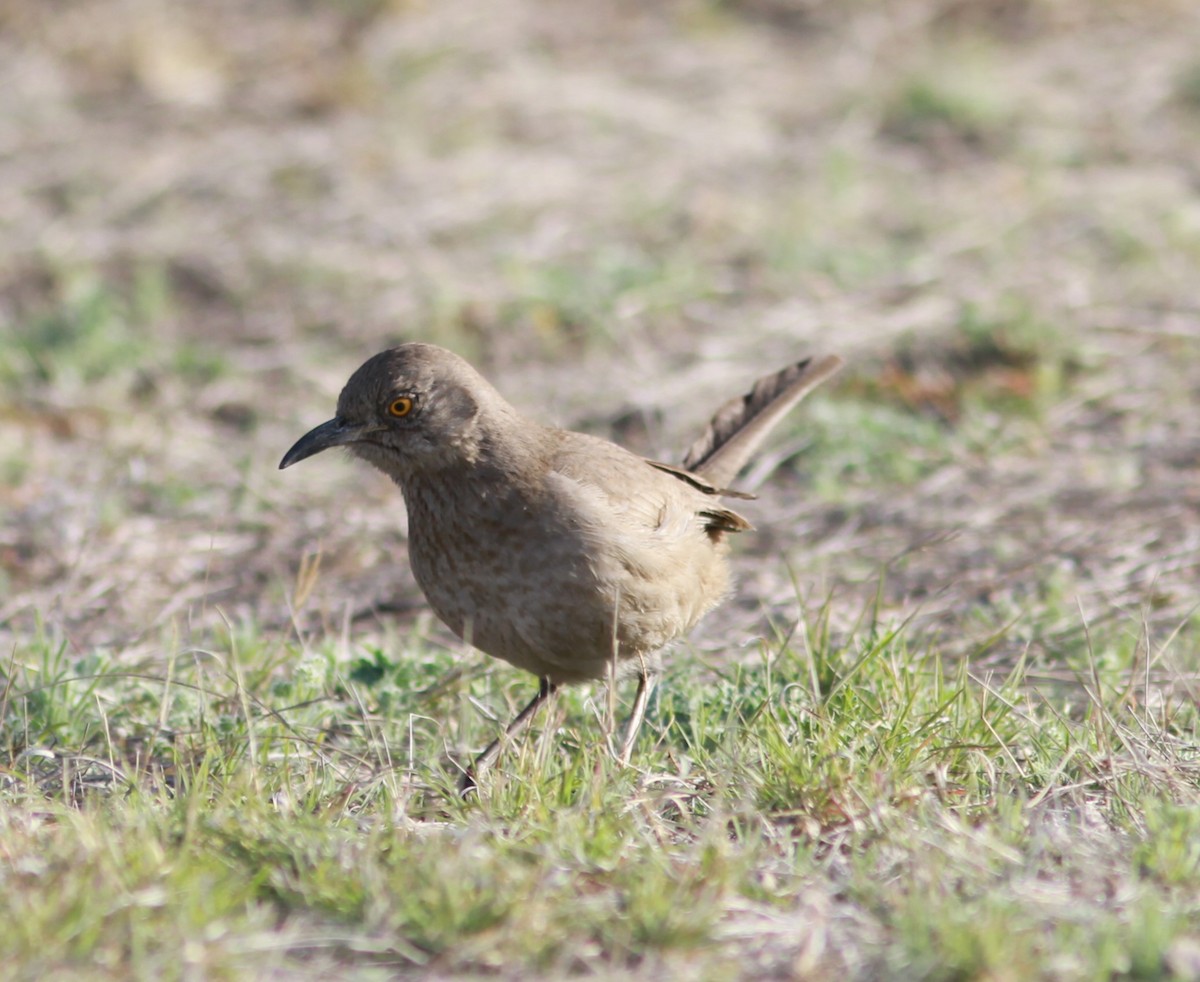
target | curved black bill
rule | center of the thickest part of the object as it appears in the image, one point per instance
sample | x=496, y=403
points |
x=334, y=433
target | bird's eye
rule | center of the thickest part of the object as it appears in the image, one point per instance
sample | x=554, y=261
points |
x=400, y=407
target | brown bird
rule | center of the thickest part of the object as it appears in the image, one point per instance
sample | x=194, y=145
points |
x=564, y=554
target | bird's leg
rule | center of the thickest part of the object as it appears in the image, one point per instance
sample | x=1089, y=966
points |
x=645, y=687
x=546, y=689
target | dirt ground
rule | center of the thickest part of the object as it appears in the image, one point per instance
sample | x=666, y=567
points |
x=211, y=214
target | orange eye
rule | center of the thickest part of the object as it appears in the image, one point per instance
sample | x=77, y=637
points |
x=400, y=407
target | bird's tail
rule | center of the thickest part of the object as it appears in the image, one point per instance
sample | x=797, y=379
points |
x=741, y=424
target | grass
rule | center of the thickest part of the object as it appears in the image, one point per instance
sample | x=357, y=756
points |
x=590, y=304
x=957, y=100
x=88, y=332
x=845, y=804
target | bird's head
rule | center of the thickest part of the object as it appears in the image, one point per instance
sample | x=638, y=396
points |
x=415, y=408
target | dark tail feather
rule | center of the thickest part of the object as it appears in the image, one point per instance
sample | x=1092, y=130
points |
x=741, y=425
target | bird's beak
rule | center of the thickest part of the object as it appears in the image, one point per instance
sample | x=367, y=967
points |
x=335, y=433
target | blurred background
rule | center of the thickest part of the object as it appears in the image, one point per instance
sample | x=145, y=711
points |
x=622, y=212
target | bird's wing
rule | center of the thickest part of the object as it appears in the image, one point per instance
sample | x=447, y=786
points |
x=644, y=491
x=699, y=483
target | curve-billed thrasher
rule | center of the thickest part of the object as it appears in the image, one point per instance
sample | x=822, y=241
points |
x=561, y=553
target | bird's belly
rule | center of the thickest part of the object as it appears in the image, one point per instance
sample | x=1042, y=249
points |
x=554, y=603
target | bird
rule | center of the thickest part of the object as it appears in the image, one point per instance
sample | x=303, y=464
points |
x=558, y=552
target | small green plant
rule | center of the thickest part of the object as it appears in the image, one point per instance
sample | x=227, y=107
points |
x=959, y=100
x=89, y=329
